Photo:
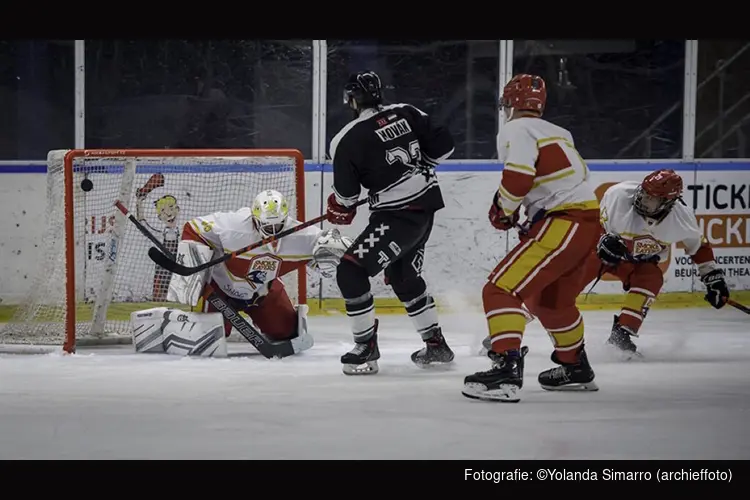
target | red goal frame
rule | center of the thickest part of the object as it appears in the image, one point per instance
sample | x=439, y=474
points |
x=69, y=344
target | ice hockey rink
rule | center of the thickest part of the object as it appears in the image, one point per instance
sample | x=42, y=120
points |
x=687, y=398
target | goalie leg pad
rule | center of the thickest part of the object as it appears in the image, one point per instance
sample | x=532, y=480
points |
x=275, y=315
x=172, y=331
x=303, y=341
x=187, y=289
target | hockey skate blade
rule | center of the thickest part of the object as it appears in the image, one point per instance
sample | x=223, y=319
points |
x=626, y=355
x=436, y=366
x=505, y=393
x=585, y=387
x=368, y=368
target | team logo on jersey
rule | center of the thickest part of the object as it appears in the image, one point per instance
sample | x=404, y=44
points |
x=646, y=245
x=262, y=269
x=394, y=130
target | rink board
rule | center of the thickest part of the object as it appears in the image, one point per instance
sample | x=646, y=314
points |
x=463, y=248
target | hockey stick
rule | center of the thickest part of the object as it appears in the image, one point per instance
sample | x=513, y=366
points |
x=173, y=266
x=143, y=229
x=267, y=348
x=739, y=306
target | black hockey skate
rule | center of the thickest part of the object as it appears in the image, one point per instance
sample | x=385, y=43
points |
x=363, y=359
x=622, y=338
x=569, y=376
x=434, y=352
x=500, y=383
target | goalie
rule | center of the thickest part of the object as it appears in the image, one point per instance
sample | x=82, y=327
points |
x=250, y=282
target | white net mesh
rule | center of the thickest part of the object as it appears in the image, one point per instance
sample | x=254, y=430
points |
x=113, y=273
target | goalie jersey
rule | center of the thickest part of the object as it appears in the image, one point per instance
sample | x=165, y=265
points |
x=249, y=273
x=392, y=152
x=645, y=236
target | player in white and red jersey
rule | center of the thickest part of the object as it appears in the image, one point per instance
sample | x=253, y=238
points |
x=251, y=281
x=640, y=222
x=544, y=173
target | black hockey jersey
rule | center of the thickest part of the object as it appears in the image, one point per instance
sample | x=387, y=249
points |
x=392, y=152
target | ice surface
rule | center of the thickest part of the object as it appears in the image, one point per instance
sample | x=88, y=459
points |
x=687, y=399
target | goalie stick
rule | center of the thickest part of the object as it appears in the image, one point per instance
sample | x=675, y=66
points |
x=267, y=348
x=173, y=266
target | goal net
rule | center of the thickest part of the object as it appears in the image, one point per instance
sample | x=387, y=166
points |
x=94, y=269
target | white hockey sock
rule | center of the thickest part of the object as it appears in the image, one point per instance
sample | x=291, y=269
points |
x=361, y=312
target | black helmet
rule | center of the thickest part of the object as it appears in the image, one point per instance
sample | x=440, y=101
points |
x=365, y=87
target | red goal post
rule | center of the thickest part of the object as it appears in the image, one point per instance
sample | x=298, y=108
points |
x=232, y=179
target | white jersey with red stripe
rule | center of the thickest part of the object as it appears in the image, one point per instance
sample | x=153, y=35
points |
x=251, y=272
x=645, y=236
x=543, y=171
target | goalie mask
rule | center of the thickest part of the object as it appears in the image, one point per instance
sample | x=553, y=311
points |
x=657, y=194
x=270, y=212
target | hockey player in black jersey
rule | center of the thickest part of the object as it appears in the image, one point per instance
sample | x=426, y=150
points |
x=392, y=151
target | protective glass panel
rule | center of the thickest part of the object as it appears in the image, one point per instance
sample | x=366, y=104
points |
x=37, y=98
x=455, y=81
x=199, y=94
x=621, y=99
x=722, y=128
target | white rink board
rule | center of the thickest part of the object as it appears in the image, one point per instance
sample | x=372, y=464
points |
x=463, y=248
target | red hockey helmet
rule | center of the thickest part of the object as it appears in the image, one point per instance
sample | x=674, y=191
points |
x=525, y=93
x=658, y=193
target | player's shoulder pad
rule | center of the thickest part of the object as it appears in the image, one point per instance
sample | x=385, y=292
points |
x=406, y=107
x=236, y=220
x=618, y=195
x=344, y=136
x=516, y=128
x=622, y=191
x=682, y=216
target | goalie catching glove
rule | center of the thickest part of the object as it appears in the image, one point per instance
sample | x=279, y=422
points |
x=328, y=251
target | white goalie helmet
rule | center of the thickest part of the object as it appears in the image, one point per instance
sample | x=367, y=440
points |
x=270, y=212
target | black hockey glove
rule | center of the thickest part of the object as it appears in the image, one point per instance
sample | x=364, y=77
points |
x=611, y=249
x=717, y=291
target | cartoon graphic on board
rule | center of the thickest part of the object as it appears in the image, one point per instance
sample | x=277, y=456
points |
x=167, y=211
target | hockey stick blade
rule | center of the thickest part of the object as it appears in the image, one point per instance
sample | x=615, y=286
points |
x=175, y=267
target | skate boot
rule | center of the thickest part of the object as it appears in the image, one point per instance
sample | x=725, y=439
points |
x=363, y=359
x=569, y=376
x=621, y=338
x=501, y=382
x=435, y=351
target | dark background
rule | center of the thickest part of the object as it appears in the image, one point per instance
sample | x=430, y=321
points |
x=621, y=99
